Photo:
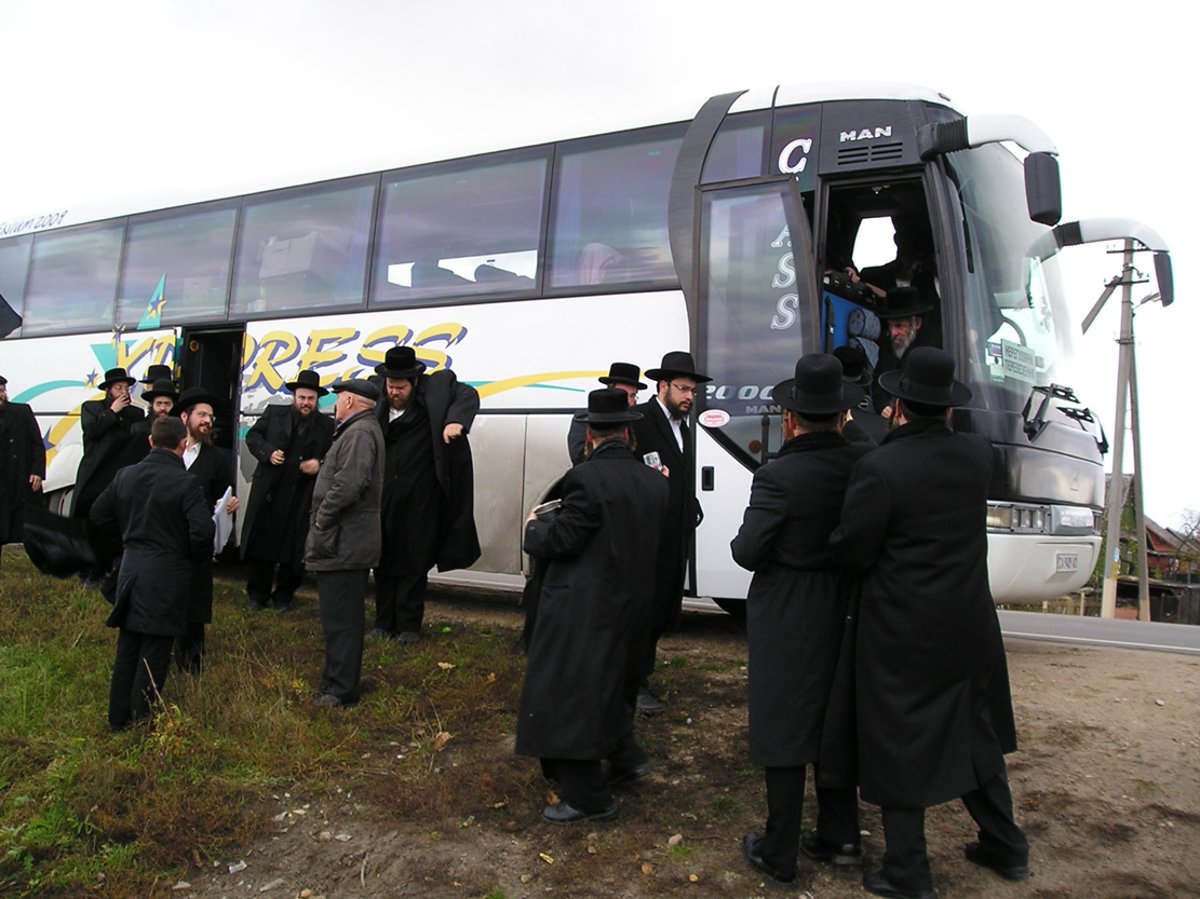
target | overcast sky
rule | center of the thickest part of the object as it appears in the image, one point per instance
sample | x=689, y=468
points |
x=127, y=104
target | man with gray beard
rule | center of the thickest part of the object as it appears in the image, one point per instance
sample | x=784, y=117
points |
x=902, y=316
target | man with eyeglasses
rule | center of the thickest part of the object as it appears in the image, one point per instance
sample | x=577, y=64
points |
x=663, y=439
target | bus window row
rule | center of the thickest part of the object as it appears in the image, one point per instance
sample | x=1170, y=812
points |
x=484, y=228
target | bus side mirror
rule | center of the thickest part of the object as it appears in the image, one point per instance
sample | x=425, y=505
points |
x=1043, y=189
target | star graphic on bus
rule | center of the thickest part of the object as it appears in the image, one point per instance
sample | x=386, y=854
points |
x=90, y=380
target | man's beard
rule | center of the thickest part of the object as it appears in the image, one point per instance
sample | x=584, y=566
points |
x=677, y=413
x=901, y=343
x=198, y=436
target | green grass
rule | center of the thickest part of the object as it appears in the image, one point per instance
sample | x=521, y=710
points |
x=139, y=807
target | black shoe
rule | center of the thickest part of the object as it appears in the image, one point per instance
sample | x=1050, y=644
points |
x=565, y=813
x=255, y=605
x=976, y=854
x=648, y=704
x=408, y=637
x=752, y=850
x=876, y=882
x=625, y=777
x=845, y=855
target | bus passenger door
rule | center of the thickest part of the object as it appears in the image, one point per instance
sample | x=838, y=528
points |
x=758, y=308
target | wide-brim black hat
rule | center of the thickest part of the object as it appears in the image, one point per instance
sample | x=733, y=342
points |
x=162, y=387
x=307, y=379
x=902, y=302
x=608, y=406
x=677, y=364
x=926, y=377
x=817, y=388
x=115, y=376
x=623, y=373
x=360, y=387
x=158, y=373
x=400, y=362
x=190, y=397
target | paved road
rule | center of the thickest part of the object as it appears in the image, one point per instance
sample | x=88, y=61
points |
x=1118, y=633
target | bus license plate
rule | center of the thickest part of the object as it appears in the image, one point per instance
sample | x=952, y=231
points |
x=1066, y=562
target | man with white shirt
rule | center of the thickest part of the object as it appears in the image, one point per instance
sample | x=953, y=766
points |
x=663, y=429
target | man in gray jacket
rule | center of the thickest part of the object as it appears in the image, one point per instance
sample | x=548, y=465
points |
x=343, y=540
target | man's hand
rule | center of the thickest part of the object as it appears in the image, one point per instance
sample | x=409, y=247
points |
x=35, y=483
x=310, y=466
x=277, y=457
x=452, y=431
x=120, y=403
x=666, y=472
x=233, y=505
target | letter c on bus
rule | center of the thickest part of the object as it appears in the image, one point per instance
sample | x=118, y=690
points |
x=786, y=164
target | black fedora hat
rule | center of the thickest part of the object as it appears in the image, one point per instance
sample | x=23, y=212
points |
x=400, y=362
x=116, y=376
x=359, y=387
x=158, y=373
x=608, y=406
x=676, y=364
x=902, y=302
x=927, y=376
x=308, y=379
x=162, y=387
x=190, y=397
x=818, y=387
x=623, y=373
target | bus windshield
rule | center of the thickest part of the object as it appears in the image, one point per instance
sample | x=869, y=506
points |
x=1018, y=328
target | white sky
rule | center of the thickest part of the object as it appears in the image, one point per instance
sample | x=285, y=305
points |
x=127, y=103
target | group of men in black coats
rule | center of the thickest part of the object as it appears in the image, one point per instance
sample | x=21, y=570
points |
x=22, y=466
x=875, y=650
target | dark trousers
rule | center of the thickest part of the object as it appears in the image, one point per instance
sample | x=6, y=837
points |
x=582, y=781
x=139, y=673
x=262, y=572
x=342, y=596
x=189, y=649
x=668, y=600
x=400, y=602
x=905, y=861
x=837, y=816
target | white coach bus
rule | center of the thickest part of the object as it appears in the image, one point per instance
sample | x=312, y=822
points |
x=529, y=270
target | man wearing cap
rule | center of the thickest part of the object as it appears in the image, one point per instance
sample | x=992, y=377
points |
x=428, y=503
x=166, y=527
x=576, y=705
x=796, y=614
x=934, y=714
x=344, y=536
x=902, y=316
x=22, y=465
x=207, y=465
x=663, y=432
x=622, y=375
x=161, y=399
x=289, y=442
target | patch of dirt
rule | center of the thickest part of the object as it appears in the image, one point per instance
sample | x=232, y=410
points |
x=1107, y=785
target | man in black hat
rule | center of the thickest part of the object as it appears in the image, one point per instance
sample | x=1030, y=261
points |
x=107, y=428
x=428, y=502
x=161, y=398
x=865, y=424
x=934, y=712
x=623, y=375
x=166, y=527
x=663, y=436
x=796, y=615
x=22, y=465
x=289, y=442
x=577, y=701
x=207, y=465
x=343, y=540
x=156, y=373
x=902, y=315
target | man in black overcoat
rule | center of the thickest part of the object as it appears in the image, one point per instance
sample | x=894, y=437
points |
x=160, y=399
x=598, y=550
x=664, y=430
x=107, y=428
x=902, y=317
x=796, y=614
x=934, y=712
x=205, y=463
x=623, y=375
x=22, y=465
x=428, y=514
x=289, y=442
x=166, y=527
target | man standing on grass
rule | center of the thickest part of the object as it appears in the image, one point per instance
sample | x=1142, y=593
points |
x=934, y=711
x=343, y=539
x=22, y=465
x=166, y=528
x=289, y=442
x=593, y=609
